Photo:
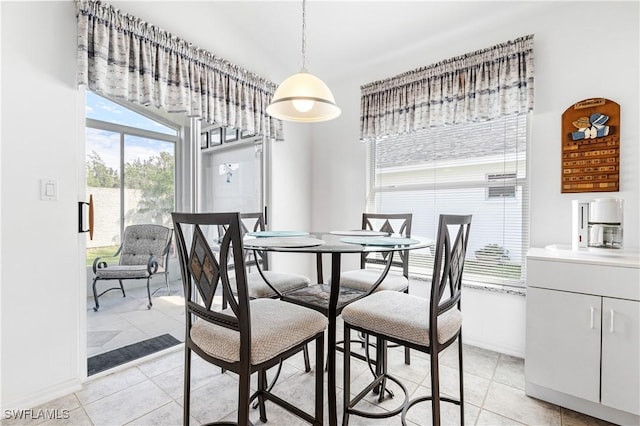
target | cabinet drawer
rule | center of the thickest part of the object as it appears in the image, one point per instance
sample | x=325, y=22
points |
x=612, y=281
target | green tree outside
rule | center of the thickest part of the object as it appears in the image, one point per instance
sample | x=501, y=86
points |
x=154, y=176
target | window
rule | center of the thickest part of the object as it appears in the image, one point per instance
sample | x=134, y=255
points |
x=130, y=165
x=477, y=168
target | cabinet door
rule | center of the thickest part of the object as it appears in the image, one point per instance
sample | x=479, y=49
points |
x=621, y=354
x=563, y=342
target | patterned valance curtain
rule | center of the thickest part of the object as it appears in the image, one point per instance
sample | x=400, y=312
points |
x=477, y=86
x=126, y=58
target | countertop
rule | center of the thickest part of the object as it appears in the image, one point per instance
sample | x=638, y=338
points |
x=626, y=258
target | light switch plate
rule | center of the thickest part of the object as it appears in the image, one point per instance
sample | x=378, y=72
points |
x=48, y=190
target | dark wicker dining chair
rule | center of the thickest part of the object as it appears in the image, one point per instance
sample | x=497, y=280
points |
x=397, y=279
x=263, y=282
x=249, y=336
x=427, y=325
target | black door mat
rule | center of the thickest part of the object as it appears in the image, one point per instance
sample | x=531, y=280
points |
x=107, y=360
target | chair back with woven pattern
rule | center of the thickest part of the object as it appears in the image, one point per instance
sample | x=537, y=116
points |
x=202, y=271
x=446, y=284
x=141, y=241
x=393, y=224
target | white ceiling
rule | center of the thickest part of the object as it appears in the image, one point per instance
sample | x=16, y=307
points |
x=343, y=37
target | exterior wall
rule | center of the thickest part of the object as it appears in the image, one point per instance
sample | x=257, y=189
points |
x=107, y=214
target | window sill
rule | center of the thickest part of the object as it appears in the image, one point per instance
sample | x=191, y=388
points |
x=474, y=285
x=495, y=288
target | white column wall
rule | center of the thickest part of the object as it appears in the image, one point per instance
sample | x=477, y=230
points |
x=42, y=330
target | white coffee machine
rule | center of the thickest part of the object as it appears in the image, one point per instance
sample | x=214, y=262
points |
x=597, y=223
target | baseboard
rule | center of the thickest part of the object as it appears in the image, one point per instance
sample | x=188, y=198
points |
x=580, y=405
x=516, y=352
x=35, y=399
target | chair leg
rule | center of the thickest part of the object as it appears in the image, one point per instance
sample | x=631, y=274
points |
x=381, y=366
x=435, y=387
x=461, y=378
x=262, y=387
x=166, y=281
x=407, y=351
x=346, y=374
x=95, y=295
x=187, y=386
x=305, y=353
x=149, y=294
x=243, y=397
x=122, y=288
x=319, y=380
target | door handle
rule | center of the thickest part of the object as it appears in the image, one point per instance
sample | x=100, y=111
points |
x=592, y=315
x=611, y=323
x=81, y=205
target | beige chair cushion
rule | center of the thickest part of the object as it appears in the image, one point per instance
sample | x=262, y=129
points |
x=363, y=279
x=284, y=282
x=276, y=326
x=402, y=316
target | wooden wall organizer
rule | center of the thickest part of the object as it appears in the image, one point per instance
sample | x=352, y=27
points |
x=591, y=146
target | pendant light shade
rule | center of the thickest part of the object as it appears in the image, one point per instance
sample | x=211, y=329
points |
x=303, y=96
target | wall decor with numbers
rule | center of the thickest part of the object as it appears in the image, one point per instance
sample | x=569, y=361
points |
x=591, y=146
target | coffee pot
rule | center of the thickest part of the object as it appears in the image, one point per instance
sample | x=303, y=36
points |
x=597, y=223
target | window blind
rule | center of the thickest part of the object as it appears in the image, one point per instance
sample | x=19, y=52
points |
x=477, y=168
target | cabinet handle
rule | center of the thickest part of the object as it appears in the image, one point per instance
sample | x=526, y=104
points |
x=592, y=315
x=611, y=323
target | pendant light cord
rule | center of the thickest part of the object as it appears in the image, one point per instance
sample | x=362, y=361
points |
x=304, y=35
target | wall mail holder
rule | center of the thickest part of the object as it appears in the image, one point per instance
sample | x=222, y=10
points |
x=591, y=146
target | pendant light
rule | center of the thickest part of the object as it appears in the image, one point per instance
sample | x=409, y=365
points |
x=303, y=97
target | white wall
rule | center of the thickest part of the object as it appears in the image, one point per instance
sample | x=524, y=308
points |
x=563, y=76
x=41, y=316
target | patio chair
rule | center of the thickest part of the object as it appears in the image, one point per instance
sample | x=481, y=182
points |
x=144, y=252
x=251, y=335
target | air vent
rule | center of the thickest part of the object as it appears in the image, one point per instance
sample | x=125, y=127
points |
x=499, y=188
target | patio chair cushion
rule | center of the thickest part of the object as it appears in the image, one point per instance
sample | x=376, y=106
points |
x=400, y=315
x=125, y=272
x=363, y=279
x=275, y=327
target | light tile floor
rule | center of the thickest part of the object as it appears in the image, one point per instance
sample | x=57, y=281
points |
x=150, y=393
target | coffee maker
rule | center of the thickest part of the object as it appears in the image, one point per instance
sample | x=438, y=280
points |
x=597, y=223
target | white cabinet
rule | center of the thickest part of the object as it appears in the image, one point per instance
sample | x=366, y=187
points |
x=621, y=354
x=563, y=341
x=583, y=334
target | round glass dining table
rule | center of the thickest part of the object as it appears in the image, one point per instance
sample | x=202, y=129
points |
x=333, y=244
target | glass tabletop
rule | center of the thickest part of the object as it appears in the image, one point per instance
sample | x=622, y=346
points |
x=327, y=242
